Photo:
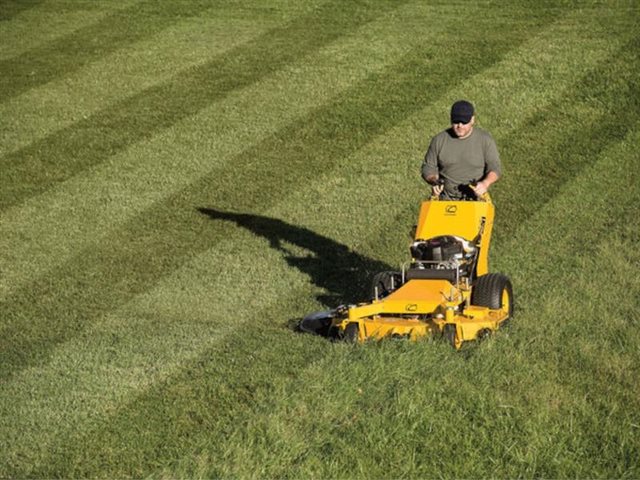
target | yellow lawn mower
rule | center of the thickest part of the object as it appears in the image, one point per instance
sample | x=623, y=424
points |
x=445, y=290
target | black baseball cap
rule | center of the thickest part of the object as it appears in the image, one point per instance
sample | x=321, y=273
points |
x=461, y=112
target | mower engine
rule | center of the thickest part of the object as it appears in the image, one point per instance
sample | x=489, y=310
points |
x=446, y=252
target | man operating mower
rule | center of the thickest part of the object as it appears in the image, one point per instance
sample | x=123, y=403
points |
x=462, y=162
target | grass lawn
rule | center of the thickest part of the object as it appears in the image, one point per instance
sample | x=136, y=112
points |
x=182, y=181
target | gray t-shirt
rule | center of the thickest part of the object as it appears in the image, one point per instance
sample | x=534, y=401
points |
x=461, y=161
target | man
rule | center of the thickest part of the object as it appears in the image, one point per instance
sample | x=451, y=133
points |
x=461, y=156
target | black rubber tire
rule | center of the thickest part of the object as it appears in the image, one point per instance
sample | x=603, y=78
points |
x=450, y=335
x=383, y=281
x=489, y=291
x=351, y=333
x=484, y=334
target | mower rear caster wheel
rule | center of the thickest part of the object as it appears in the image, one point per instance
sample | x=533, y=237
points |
x=451, y=335
x=484, y=334
x=351, y=333
x=384, y=283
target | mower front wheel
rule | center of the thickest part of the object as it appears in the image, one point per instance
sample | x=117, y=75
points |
x=351, y=333
x=484, y=334
x=450, y=334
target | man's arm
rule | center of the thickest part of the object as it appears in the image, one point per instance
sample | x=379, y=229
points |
x=482, y=187
x=430, y=164
x=431, y=179
x=493, y=165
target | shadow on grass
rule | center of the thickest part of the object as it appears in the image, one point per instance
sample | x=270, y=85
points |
x=344, y=274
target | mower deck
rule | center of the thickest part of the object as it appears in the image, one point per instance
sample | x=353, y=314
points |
x=422, y=308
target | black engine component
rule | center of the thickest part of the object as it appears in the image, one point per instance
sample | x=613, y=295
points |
x=444, y=257
x=438, y=249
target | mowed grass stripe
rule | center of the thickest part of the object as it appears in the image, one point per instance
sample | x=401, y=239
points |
x=111, y=273
x=90, y=141
x=57, y=58
x=43, y=110
x=21, y=18
x=277, y=423
x=58, y=225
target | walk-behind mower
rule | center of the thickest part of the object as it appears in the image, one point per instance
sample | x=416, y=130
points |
x=445, y=290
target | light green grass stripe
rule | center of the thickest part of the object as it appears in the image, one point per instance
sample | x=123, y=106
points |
x=49, y=21
x=48, y=229
x=49, y=108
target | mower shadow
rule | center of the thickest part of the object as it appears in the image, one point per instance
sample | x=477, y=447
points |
x=332, y=266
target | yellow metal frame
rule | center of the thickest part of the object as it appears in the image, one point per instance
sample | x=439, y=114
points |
x=464, y=219
x=422, y=307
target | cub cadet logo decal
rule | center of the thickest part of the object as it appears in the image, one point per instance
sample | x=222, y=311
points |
x=411, y=307
x=450, y=210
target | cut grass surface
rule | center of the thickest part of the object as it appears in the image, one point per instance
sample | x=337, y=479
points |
x=57, y=58
x=89, y=141
x=137, y=255
x=157, y=341
x=51, y=21
x=126, y=72
x=152, y=170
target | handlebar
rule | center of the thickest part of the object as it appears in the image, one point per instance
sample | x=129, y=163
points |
x=438, y=183
x=485, y=197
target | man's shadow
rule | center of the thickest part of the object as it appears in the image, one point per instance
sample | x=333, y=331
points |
x=344, y=274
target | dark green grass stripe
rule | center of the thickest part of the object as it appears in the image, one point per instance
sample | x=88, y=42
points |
x=57, y=59
x=67, y=152
x=162, y=239
x=11, y=8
